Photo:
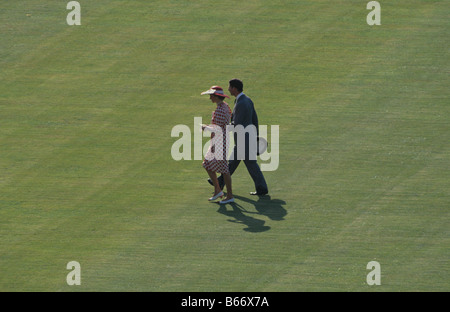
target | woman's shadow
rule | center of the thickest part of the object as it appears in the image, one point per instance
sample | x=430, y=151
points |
x=271, y=208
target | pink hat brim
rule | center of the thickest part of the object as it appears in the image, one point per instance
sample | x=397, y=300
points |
x=209, y=92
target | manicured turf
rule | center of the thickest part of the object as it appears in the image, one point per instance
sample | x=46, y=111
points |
x=86, y=172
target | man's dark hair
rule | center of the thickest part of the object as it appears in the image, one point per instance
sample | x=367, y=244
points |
x=236, y=83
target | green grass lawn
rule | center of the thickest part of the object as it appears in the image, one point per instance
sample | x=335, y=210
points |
x=86, y=172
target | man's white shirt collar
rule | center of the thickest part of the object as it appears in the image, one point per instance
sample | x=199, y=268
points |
x=237, y=97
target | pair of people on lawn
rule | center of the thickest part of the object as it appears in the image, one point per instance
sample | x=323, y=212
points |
x=243, y=114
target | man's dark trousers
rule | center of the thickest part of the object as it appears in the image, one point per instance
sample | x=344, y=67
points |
x=252, y=168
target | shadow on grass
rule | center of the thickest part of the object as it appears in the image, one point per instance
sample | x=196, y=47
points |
x=265, y=206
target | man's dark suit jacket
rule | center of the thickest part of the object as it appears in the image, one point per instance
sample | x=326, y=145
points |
x=244, y=112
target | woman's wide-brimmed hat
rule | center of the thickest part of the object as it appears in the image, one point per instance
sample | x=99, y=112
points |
x=216, y=90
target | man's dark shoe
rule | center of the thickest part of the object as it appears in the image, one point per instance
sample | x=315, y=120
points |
x=259, y=193
x=220, y=185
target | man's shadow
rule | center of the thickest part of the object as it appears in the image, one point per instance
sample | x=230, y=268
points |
x=271, y=208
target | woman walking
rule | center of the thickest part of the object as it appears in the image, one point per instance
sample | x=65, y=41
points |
x=216, y=159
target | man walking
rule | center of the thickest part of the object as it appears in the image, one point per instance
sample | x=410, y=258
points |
x=244, y=115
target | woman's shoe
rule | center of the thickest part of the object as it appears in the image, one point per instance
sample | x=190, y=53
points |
x=220, y=194
x=227, y=201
